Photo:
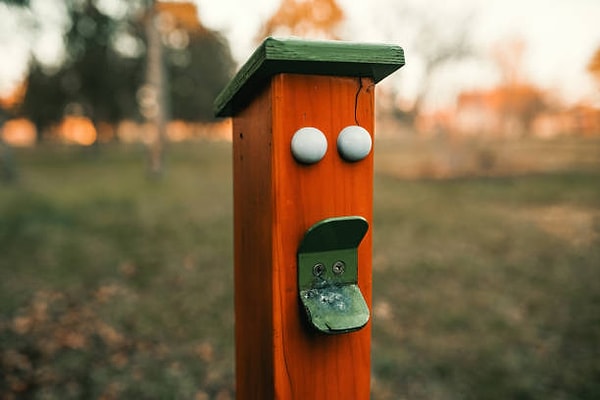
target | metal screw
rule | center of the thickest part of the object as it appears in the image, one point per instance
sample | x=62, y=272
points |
x=318, y=269
x=338, y=267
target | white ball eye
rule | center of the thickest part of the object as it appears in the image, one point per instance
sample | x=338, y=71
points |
x=309, y=145
x=354, y=143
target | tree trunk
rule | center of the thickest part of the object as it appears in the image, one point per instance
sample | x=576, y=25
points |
x=156, y=113
x=8, y=170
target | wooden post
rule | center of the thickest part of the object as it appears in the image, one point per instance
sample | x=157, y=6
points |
x=285, y=86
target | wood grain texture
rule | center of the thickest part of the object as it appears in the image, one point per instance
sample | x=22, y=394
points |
x=253, y=243
x=276, y=201
x=334, y=58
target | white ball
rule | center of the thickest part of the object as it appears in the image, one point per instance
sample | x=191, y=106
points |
x=309, y=145
x=354, y=143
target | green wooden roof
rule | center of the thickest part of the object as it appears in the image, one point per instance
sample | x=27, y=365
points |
x=309, y=57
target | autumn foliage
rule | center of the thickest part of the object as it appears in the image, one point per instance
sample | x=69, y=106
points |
x=594, y=65
x=307, y=18
x=507, y=108
x=516, y=107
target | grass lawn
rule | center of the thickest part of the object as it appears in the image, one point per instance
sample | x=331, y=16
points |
x=117, y=287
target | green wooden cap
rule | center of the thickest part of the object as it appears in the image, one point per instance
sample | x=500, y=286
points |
x=309, y=57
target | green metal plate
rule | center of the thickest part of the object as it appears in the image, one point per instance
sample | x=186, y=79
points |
x=328, y=275
x=308, y=57
x=336, y=309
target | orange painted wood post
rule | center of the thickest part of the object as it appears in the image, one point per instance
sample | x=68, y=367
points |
x=294, y=172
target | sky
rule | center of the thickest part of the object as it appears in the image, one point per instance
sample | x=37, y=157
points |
x=560, y=37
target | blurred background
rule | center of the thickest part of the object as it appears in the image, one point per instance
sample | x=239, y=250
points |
x=116, y=203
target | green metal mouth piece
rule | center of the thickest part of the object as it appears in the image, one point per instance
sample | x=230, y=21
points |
x=328, y=275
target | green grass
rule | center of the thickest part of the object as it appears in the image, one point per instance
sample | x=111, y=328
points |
x=479, y=297
x=118, y=286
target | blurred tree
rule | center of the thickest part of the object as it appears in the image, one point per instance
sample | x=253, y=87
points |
x=205, y=63
x=187, y=66
x=7, y=165
x=432, y=40
x=152, y=96
x=518, y=100
x=16, y=2
x=594, y=65
x=102, y=76
x=436, y=49
x=8, y=172
x=307, y=18
x=96, y=79
x=519, y=104
x=508, y=56
x=44, y=101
